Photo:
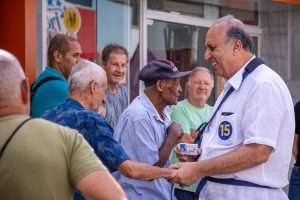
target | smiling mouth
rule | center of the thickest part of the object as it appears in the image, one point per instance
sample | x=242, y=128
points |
x=117, y=75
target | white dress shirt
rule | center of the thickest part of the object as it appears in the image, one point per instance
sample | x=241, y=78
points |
x=259, y=111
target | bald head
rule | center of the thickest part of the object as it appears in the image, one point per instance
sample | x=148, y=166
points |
x=233, y=28
x=11, y=77
x=229, y=21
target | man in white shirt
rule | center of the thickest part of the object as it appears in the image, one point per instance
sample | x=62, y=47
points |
x=246, y=147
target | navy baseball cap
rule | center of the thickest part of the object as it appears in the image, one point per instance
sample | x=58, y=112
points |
x=159, y=70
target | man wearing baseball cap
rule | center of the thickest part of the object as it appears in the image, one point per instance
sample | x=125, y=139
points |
x=145, y=129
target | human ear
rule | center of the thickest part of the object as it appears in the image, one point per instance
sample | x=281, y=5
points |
x=237, y=46
x=93, y=86
x=25, y=94
x=159, y=85
x=57, y=56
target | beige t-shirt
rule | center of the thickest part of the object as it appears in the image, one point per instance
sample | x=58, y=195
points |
x=44, y=161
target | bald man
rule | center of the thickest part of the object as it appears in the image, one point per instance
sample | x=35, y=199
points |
x=39, y=159
x=87, y=85
x=247, y=144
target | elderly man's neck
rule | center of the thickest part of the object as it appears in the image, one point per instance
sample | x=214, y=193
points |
x=113, y=87
x=239, y=62
x=199, y=103
x=59, y=69
x=157, y=101
x=6, y=110
x=82, y=99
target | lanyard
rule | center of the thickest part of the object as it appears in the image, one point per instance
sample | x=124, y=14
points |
x=252, y=65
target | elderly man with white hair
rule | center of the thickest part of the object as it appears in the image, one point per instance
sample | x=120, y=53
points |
x=87, y=84
x=40, y=159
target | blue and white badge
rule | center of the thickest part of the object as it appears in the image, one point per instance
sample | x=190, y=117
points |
x=225, y=130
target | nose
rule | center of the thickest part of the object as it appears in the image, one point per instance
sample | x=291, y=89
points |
x=202, y=86
x=179, y=89
x=207, y=54
x=118, y=67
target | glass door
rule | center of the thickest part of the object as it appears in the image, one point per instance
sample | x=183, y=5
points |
x=175, y=30
x=181, y=43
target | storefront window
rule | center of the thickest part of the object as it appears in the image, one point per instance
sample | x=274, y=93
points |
x=182, y=44
x=76, y=18
x=248, y=17
x=97, y=23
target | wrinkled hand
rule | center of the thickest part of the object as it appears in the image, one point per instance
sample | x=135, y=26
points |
x=194, y=134
x=187, y=138
x=174, y=133
x=187, y=158
x=186, y=173
x=171, y=173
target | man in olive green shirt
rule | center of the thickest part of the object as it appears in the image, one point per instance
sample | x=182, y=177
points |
x=43, y=161
x=190, y=113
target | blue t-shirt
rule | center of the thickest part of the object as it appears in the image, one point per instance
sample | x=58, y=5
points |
x=95, y=130
x=50, y=93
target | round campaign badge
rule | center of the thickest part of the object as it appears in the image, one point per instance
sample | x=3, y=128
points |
x=225, y=130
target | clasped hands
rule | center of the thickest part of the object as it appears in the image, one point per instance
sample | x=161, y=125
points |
x=185, y=173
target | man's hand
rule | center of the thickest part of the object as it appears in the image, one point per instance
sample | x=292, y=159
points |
x=171, y=173
x=174, y=133
x=187, y=158
x=187, y=173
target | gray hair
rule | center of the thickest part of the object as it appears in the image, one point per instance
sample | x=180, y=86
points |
x=83, y=73
x=11, y=76
x=236, y=30
x=201, y=69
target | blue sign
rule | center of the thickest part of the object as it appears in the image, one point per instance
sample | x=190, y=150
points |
x=225, y=130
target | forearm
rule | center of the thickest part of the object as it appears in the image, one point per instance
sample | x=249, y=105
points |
x=136, y=170
x=245, y=157
x=164, y=152
x=295, y=145
x=92, y=187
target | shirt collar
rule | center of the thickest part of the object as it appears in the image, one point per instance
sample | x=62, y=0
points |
x=74, y=104
x=236, y=80
x=150, y=107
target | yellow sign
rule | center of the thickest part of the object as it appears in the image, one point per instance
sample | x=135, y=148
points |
x=72, y=19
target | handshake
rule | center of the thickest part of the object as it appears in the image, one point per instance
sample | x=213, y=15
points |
x=187, y=171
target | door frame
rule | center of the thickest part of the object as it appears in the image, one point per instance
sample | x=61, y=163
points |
x=147, y=16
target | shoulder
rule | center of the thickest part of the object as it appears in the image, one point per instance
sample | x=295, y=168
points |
x=266, y=86
x=265, y=79
x=209, y=108
x=178, y=110
x=179, y=106
x=136, y=110
x=93, y=120
x=51, y=129
x=61, y=112
x=264, y=75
